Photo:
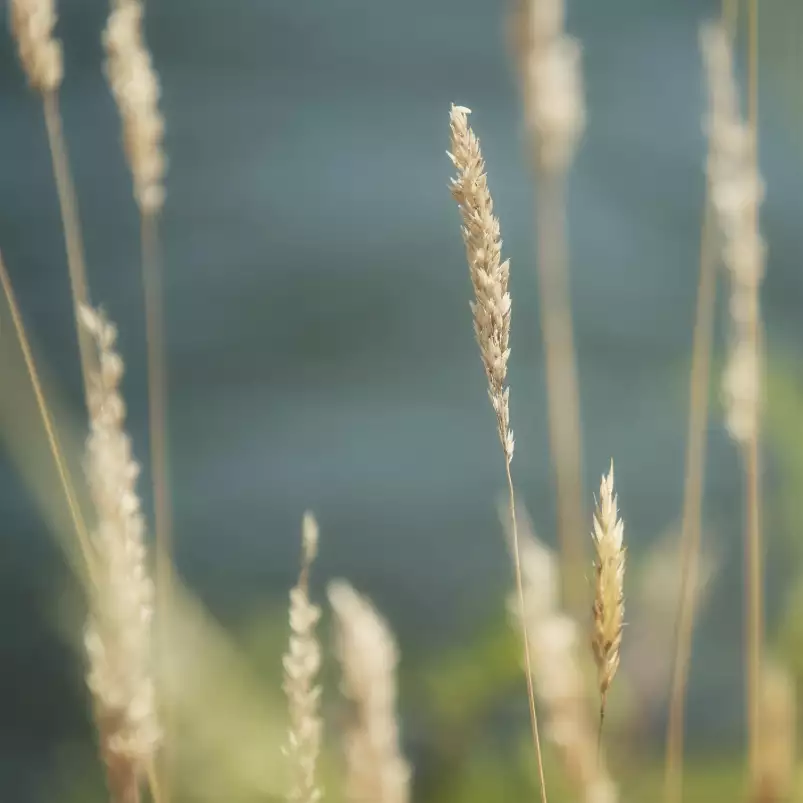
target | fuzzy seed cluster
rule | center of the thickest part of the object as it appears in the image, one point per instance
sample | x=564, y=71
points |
x=135, y=86
x=32, y=23
x=376, y=771
x=489, y=275
x=118, y=631
x=736, y=194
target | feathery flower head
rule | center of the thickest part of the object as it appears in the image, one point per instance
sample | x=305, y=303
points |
x=32, y=23
x=376, y=771
x=489, y=275
x=118, y=631
x=552, y=82
x=135, y=86
x=736, y=194
x=609, y=584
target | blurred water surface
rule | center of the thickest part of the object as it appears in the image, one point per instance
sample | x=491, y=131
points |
x=319, y=338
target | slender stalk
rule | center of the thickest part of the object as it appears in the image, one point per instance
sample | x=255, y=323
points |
x=157, y=403
x=692, y=505
x=754, y=602
x=522, y=619
x=491, y=312
x=754, y=618
x=68, y=203
x=730, y=16
x=154, y=784
x=563, y=405
x=47, y=420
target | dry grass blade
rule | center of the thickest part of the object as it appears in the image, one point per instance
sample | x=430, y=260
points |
x=692, y=505
x=47, y=420
x=491, y=309
x=68, y=202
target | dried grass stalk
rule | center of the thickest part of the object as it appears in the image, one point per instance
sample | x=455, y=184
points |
x=135, y=86
x=491, y=309
x=376, y=771
x=777, y=755
x=302, y=662
x=32, y=23
x=554, y=113
x=552, y=82
x=559, y=679
x=737, y=191
x=118, y=630
x=609, y=606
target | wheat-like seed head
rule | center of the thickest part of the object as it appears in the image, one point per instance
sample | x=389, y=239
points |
x=489, y=275
x=609, y=607
x=32, y=23
x=736, y=193
x=557, y=672
x=135, y=86
x=552, y=82
x=302, y=663
x=118, y=630
x=376, y=771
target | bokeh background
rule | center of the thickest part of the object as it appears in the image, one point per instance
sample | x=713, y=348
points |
x=319, y=338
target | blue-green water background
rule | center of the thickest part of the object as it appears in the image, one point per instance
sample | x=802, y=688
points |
x=318, y=332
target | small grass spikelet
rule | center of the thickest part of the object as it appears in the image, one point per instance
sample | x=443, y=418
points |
x=608, y=607
x=302, y=662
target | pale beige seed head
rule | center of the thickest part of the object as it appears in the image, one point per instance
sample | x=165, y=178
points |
x=376, y=771
x=302, y=664
x=118, y=637
x=558, y=675
x=609, y=569
x=552, y=83
x=309, y=536
x=489, y=275
x=736, y=194
x=32, y=23
x=135, y=86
